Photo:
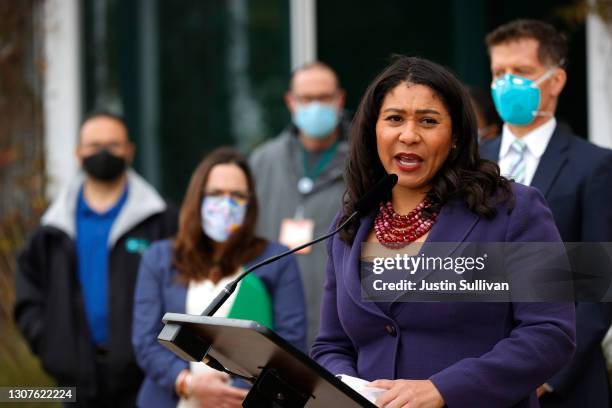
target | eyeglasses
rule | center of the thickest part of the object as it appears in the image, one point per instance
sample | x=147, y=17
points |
x=324, y=98
x=239, y=196
x=113, y=147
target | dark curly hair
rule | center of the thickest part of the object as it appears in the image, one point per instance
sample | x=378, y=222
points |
x=463, y=175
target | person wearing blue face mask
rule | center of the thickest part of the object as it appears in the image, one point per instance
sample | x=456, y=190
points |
x=527, y=65
x=299, y=174
x=215, y=241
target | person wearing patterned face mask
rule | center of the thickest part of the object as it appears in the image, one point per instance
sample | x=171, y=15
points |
x=575, y=176
x=222, y=215
x=216, y=240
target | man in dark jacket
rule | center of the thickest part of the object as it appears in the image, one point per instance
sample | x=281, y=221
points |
x=575, y=177
x=75, y=278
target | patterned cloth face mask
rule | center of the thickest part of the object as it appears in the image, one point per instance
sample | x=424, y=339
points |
x=221, y=216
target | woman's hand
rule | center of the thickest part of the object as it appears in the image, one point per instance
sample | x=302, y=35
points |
x=541, y=390
x=408, y=394
x=211, y=389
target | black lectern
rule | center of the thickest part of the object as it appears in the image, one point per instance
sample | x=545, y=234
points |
x=282, y=376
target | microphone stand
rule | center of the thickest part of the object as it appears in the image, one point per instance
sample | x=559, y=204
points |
x=231, y=287
x=183, y=343
x=177, y=338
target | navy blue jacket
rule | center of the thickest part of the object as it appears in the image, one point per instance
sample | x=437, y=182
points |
x=575, y=177
x=159, y=292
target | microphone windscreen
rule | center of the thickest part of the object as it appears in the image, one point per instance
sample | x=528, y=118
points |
x=376, y=194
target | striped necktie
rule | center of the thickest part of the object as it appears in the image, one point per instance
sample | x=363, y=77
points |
x=517, y=171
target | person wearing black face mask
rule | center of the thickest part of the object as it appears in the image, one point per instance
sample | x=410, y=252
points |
x=104, y=165
x=76, y=276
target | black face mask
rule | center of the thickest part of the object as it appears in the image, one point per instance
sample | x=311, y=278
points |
x=104, y=165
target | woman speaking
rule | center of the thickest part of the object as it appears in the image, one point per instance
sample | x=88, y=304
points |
x=415, y=120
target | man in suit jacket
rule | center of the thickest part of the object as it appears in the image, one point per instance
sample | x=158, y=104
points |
x=527, y=65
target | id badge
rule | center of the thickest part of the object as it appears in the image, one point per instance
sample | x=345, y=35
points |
x=295, y=232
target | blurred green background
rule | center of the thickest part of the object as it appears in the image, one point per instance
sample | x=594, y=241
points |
x=192, y=75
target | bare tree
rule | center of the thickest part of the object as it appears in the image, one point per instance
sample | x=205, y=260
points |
x=21, y=146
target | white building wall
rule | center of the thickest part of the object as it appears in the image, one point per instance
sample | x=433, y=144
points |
x=599, y=79
x=62, y=90
x=303, y=27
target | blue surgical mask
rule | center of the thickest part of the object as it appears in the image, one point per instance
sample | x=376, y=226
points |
x=517, y=98
x=221, y=216
x=315, y=119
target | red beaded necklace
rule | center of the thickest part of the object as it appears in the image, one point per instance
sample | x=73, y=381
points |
x=396, y=231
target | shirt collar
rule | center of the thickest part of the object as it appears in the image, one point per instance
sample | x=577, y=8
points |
x=536, y=140
x=83, y=209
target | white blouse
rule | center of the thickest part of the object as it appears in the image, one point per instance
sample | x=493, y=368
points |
x=199, y=295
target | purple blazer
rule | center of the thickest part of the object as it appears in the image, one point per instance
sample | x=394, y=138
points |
x=477, y=355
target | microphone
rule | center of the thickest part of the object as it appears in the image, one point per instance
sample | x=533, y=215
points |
x=172, y=334
x=362, y=207
x=372, y=197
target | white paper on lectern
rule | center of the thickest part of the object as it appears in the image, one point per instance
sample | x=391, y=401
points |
x=361, y=386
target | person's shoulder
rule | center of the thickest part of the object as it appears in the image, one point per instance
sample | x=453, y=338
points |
x=143, y=200
x=530, y=218
x=524, y=198
x=581, y=147
x=171, y=208
x=586, y=160
x=45, y=231
x=490, y=144
x=521, y=201
x=489, y=149
x=162, y=245
x=272, y=146
x=159, y=252
x=45, y=235
x=272, y=248
x=522, y=192
x=157, y=261
x=272, y=272
x=169, y=215
x=157, y=266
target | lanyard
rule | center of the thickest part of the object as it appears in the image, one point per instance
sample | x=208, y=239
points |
x=306, y=183
x=312, y=172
